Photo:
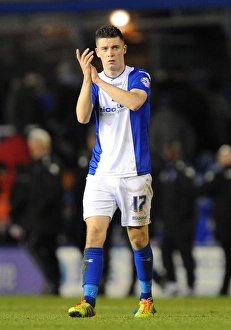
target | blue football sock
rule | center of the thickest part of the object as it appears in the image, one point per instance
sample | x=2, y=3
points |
x=92, y=269
x=144, y=266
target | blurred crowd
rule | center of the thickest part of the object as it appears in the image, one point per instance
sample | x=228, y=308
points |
x=44, y=155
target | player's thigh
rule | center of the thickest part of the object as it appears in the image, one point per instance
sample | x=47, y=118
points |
x=134, y=200
x=98, y=199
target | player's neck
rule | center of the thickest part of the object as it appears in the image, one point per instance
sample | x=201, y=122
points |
x=114, y=74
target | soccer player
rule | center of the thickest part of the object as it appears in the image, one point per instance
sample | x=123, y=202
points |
x=119, y=170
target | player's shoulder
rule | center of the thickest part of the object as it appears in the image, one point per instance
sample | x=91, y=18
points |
x=141, y=77
x=139, y=71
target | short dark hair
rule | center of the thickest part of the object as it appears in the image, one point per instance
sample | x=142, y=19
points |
x=108, y=31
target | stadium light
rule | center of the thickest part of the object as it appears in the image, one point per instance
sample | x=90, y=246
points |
x=119, y=17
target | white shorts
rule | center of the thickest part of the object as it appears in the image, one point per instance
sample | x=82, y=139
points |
x=132, y=195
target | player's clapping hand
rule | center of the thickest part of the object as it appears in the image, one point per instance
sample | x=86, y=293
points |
x=85, y=60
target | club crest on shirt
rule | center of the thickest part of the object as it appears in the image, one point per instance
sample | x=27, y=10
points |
x=145, y=81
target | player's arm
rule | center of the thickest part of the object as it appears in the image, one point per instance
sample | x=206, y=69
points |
x=84, y=103
x=132, y=99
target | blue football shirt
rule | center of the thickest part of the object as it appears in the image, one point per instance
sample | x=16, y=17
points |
x=122, y=143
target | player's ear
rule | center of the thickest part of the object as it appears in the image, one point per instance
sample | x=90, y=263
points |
x=125, y=49
x=97, y=52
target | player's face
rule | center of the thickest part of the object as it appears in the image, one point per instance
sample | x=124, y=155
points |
x=111, y=52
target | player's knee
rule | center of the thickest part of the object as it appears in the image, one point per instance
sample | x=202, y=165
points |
x=138, y=237
x=95, y=237
x=138, y=242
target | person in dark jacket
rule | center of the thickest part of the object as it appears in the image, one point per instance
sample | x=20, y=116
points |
x=36, y=203
x=175, y=208
x=217, y=185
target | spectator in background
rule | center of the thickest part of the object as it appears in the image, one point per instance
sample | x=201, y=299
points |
x=36, y=206
x=8, y=104
x=4, y=203
x=175, y=207
x=173, y=90
x=217, y=184
x=168, y=124
x=13, y=153
x=24, y=106
x=219, y=114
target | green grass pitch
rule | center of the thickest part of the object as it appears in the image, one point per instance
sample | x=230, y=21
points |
x=48, y=313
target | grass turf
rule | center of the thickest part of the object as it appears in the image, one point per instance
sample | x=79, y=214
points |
x=48, y=313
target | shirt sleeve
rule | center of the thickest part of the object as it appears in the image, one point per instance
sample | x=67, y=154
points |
x=140, y=79
x=94, y=93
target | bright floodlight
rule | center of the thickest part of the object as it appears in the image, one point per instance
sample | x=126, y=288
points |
x=119, y=17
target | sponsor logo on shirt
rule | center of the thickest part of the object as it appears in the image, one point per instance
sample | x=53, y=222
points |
x=111, y=110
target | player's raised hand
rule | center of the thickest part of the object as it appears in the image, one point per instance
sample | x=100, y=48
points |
x=85, y=60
